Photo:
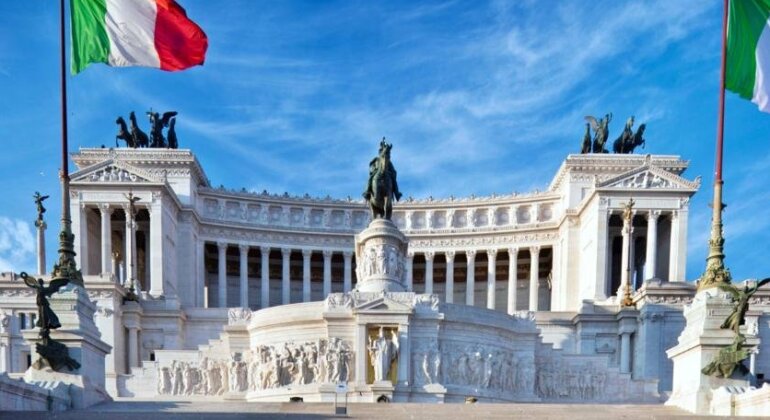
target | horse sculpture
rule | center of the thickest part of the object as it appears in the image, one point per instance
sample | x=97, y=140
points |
x=139, y=136
x=628, y=141
x=382, y=188
x=123, y=133
x=173, y=143
x=586, y=146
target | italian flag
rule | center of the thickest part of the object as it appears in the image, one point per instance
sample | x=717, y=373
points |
x=748, y=51
x=122, y=33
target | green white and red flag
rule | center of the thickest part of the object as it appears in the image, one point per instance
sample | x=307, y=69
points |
x=748, y=51
x=123, y=33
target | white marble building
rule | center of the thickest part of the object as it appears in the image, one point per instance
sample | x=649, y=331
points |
x=533, y=277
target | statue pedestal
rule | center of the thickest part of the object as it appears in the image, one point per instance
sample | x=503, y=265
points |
x=381, y=258
x=82, y=339
x=382, y=389
x=700, y=341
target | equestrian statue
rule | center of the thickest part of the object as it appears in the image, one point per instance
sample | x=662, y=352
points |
x=382, y=188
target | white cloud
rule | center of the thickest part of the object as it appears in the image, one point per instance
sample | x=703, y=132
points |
x=17, y=245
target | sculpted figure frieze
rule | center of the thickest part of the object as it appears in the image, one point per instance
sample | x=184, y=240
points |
x=265, y=367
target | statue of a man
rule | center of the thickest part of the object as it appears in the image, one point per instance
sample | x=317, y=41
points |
x=382, y=187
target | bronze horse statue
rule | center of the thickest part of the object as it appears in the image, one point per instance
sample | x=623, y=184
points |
x=139, y=136
x=629, y=141
x=382, y=188
x=123, y=133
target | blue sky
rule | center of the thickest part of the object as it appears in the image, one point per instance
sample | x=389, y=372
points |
x=478, y=98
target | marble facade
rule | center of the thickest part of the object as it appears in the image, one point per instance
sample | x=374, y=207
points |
x=519, y=291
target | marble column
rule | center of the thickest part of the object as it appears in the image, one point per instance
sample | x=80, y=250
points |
x=41, y=226
x=652, y=244
x=130, y=235
x=222, y=274
x=450, y=276
x=429, y=271
x=534, y=277
x=470, y=279
x=327, y=272
x=265, y=278
x=156, y=249
x=625, y=259
x=80, y=229
x=409, y=271
x=106, y=212
x=491, y=277
x=625, y=352
x=133, y=347
x=201, y=277
x=244, y=278
x=285, y=276
x=513, y=256
x=306, y=254
x=678, y=256
x=348, y=275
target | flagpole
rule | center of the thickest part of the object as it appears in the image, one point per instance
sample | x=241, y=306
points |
x=65, y=268
x=716, y=272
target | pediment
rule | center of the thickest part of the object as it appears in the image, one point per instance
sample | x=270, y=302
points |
x=112, y=171
x=384, y=303
x=648, y=177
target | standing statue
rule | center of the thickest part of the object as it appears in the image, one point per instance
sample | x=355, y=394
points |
x=732, y=356
x=123, y=134
x=382, y=187
x=382, y=352
x=586, y=146
x=156, y=127
x=40, y=209
x=140, y=137
x=601, y=132
x=50, y=351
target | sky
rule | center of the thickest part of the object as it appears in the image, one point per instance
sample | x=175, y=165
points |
x=477, y=97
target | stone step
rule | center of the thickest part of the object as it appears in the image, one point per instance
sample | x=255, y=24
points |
x=158, y=409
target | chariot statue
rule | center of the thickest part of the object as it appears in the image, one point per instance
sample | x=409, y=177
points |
x=601, y=132
x=382, y=188
x=134, y=137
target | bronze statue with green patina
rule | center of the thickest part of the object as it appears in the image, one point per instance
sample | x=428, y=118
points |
x=52, y=353
x=732, y=356
x=382, y=188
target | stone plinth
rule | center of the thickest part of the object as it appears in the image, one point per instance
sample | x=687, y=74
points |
x=699, y=343
x=381, y=256
x=81, y=337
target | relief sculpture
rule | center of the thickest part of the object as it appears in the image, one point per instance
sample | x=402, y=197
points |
x=266, y=367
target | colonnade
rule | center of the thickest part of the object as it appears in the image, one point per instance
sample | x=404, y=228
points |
x=470, y=279
x=243, y=300
x=120, y=261
x=673, y=264
x=347, y=280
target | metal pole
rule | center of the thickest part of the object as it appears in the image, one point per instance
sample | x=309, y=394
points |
x=716, y=272
x=66, y=266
